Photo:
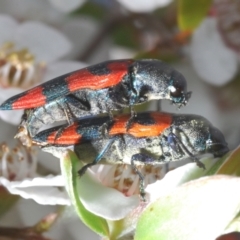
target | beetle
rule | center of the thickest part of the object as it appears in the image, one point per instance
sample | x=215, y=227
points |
x=153, y=138
x=101, y=88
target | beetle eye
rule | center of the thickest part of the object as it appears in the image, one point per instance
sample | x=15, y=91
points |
x=176, y=92
x=143, y=95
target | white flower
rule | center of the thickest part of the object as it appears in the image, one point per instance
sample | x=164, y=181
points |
x=29, y=54
x=110, y=182
x=120, y=182
x=214, y=62
x=143, y=5
x=111, y=192
x=178, y=176
x=18, y=176
x=32, y=10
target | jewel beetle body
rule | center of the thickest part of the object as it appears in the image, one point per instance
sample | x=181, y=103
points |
x=101, y=88
x=153, y=138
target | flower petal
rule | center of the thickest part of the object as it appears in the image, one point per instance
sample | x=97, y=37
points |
x=67, y=6
x=118, y=205
x=8, y=27
x=50, y=180
x=143, y=5
x=61, y=67
x=28, y=9
x=177, y=177
x=94, y=195
x=12, y=117
x=43, y=190
x=7, y=132
x=6, y=93
x=49, y=162
x=214, y=62
x=46, y=43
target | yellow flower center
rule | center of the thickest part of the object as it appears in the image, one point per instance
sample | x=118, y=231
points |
x=18, y=68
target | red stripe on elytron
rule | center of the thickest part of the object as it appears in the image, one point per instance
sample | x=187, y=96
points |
x=85, y=79
x=162, y=121
x=31, y=99
x=69, y=136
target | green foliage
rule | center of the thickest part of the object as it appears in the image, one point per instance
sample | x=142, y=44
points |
x=91, y=9
x=167, y=56
x=69, y=169
x=171, y=216
x=191, y=13
x=231, y=165
x=123, y=35
x=7, y=200
x=192, y=211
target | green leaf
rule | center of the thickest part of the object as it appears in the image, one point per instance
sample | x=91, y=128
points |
x=232, y=164
x=124, y=35
x=214, y=169
x=69, y=169
x=199, y=209
x=91, y=9
x=7, y=200
x=164, y=55
x=191, y=13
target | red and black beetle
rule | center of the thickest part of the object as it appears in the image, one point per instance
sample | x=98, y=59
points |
x=153, y=138
x=101, y=88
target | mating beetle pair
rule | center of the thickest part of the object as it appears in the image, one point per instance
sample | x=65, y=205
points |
x=147, y=138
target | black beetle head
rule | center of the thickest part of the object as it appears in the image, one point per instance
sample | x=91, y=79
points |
x=154, y=80
x=216, y=143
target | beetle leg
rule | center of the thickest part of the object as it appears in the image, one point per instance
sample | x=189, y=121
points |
x=132, y=118
x=64, y=105
x=163, y=143
x=174, y=145
x=69, y=117
x=142, y=158
x=104, y=130
x=72, y=100
x=98, y=158
x=77, y=102
x=105, y=127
